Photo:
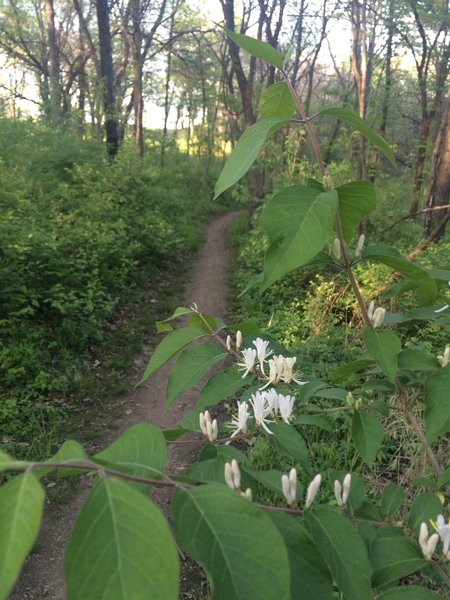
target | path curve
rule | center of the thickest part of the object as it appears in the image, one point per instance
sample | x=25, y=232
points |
x=42, y=577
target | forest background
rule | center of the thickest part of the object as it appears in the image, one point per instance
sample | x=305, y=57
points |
x=98, y=210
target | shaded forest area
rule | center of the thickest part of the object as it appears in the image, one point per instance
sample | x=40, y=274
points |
x=94, y=201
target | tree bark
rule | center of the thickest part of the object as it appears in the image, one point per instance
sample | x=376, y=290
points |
x=360, y=73
x=54, y=70
x=107, y=74
x=439, y=184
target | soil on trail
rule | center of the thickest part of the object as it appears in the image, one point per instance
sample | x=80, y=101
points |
x=42, y=576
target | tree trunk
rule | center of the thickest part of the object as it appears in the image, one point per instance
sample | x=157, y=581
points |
x=107, y=73
x=137, y=78
x=439, y=183
x=359, y=66
x=54, y=70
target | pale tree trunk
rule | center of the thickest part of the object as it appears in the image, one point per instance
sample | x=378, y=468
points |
x=54, y=70
x=360, y=74
x=439, y=183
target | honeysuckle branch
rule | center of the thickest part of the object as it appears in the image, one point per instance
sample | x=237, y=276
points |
x=406, y=408
x=316, y=148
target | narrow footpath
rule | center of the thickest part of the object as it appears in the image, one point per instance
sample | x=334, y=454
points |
x=42, y=577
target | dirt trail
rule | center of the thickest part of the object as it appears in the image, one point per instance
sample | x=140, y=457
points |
x=42, y=576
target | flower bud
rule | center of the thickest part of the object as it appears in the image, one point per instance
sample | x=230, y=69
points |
x=360, y=245
x=238, y=340
x=346, y=488
x=338, y=493
x=247, y=495
x=337, y=249
x=378, y=317
x=313, y=488
x=350, y=400
x=228, y=343
x=233, y=475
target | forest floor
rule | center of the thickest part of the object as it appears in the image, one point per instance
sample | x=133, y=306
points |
x=42, y=576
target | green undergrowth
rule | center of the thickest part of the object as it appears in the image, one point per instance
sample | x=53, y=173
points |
x=90, y=255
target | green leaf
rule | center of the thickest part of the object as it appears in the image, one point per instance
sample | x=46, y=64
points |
x=170, y=435
x=288, y=442
x=277, y=101
x=347, y=369
x=241, y=549
x=191, y=365
x=343, y=550
x=163, y=326
x=169, y=346
x=417, y=360
x=69, y=452
x=120, y=548
x=315, y=421
x=219, y=386
x=351, y=117
x=245, y=152
x=424, y=507
x=356, y=200
x=383, y=346
x=310, y=578
x=444, y=479
x=409, y=592
x=367, y=435
x=437, y=404
x=5, y=461
x=298, y=221
x=393, y=497
x=393, y=558
x=140, y=451
x=424, y=285
x=21, y=502
x=257, y=48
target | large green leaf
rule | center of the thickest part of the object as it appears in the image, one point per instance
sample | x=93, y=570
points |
x=120, y=548
x=219, y=386
x=140, y=451
x=192, y=363
x=5, y=461
x=424, y=507
x=238, y=544
x=409, y=592
x=393, y=558
x=277, y=101
x=245, y=152
x=424, y=284
x=356, y=200
x=343, y=550
x=257, y=48
x=437, y=404
x=69, y=452
x=351, y=117
x=288, y=442
x=298, y=221
x=367, y=435
x=310, y=577
x=21, y=502
x=347, y=369
x=393, y=497
x=383, y=346
x=169, y=346
x=417, y=360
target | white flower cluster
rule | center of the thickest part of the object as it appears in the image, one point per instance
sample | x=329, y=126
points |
x=428, y=543
x=233, y=479
x=289, y=487
x=281, y=368
x=264, y=404
x=209, y=428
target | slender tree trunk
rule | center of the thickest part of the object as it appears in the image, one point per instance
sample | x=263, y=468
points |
x=54, y=70
x=167, y=90
x=359, y=65
x=137, y=78
x=439, y=185
x=107, y=73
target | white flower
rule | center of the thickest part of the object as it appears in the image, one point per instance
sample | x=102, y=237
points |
x=427, y=544
x=289, y=486
x=443, y=530
x=249, y=355
x=337, y=249
x=233, y=475
x=260, y=410
x=262, y=350
x=341, y=492
x=312, y=490
x=272, y=400
x=240, y=422
x=276, y=369
x=445, y=358
x=285, y=406
x=376, y=315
